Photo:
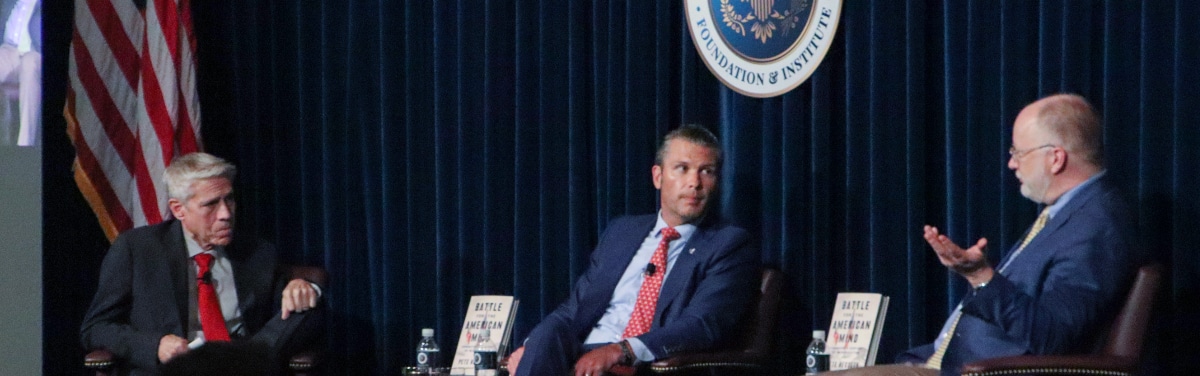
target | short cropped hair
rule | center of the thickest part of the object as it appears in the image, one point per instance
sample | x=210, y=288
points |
x=185, y=170
x=1074, y=121
x=693, y=133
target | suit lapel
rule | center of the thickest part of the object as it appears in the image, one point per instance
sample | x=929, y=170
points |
x=679, y=274
x=1061, y=218
x=241, y=277
x=610, y=272
x=178, y=260
x=627, y=248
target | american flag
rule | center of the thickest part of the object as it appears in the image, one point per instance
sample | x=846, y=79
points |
x=131, y=105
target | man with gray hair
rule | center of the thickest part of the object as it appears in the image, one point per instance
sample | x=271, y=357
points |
x=170, y=287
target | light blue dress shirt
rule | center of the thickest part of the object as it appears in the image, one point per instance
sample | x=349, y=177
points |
x=620, y=308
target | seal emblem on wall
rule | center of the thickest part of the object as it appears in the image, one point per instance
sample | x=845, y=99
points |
x=762, y=48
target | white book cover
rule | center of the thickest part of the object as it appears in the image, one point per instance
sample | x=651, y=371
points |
x=854, y=330
x=489, y=319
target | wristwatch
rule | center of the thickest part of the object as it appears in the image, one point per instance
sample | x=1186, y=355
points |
x=626, y=353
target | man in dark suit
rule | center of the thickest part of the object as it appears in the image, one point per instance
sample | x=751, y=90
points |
x=1054, y=289
x=169, y=287
x=657, y=285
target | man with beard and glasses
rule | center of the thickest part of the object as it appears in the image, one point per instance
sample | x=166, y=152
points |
x=658, y=285
x=170, y=287
x=1064, y=278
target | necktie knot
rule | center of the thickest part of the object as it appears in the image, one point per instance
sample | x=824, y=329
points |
x=1038, y=225
x=203, y=262
x=669, y=234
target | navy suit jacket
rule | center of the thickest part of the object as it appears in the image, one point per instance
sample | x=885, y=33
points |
x=143, y=292
x=704, y=296
x=1058, y=293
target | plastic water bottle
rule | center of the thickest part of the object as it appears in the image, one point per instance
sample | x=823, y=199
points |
x=816, y=360
x=485, y=355
x=427, y=352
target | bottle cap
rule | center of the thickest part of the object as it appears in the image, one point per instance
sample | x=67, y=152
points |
x=819, y=334
x=427, y=332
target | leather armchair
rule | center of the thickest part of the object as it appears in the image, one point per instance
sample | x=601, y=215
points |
x=1118, y=356
x=751, y=352
x=102, y=361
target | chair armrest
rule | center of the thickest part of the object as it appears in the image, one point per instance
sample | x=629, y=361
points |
x=1052, y=364
x=302, y=362
x=310, y=273
x=98, y=360
x=101, y=359
x=738, y=359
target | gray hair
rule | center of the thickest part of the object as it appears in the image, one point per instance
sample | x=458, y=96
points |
x=185, y=170
x=1074, y=121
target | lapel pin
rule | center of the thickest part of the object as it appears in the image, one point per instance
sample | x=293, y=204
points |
x=691, y=251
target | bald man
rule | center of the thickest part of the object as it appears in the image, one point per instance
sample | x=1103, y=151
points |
x=1064, y=277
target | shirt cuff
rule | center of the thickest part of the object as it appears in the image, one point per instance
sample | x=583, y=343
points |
x=640, y=350
x=316, y=287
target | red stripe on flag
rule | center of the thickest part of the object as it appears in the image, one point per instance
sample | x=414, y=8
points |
x=139, y=98
x=185, y=18
x=111, y=206
x=186, y=131
x=168, y=21
x=155, y=107
x=123, y=140
x=113, y=31
x=183, y=133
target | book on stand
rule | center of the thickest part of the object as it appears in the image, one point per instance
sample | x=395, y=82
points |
x=854, y=330
x=489, y=319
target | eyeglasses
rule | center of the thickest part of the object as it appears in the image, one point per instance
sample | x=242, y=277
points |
x=1018, y=154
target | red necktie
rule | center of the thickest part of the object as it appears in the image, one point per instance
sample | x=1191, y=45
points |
x=643, y=312
x=211, y=318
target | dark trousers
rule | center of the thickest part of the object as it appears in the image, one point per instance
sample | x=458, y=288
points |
x=264, y=353
x=551, y=350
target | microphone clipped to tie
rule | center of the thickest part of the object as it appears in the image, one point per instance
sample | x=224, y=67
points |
x=205, y=278
x=650, y=269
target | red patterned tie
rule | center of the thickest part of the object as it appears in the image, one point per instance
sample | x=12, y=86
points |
x=211, y=318
x=643, y=312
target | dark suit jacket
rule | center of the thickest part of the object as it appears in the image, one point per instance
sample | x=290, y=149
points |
x=1059, y=291
x=705, y=293
x=144, y=286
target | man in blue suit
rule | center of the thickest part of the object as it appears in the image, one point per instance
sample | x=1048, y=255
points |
x=658, y=285
x=1054, y=289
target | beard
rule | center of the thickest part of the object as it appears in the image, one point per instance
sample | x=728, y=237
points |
x=1036, y=190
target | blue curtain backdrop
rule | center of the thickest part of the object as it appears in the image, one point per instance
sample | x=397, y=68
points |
x=426, y=151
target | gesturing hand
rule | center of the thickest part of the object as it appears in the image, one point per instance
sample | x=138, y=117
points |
x=969, y=263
